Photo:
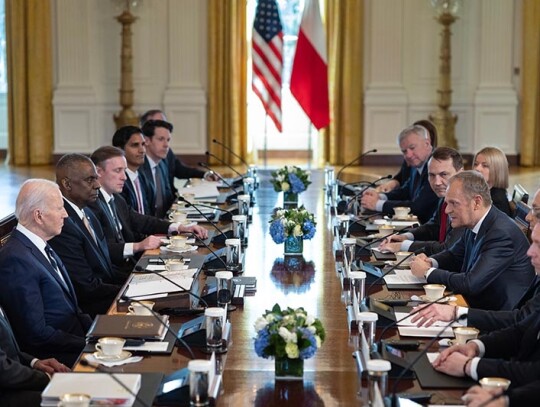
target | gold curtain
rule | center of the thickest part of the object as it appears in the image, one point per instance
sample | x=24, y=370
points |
x=227, y=77
x=29, y=59
x=343, y=140
x=530, y=112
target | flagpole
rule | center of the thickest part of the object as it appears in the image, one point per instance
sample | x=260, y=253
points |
x=310, y=147
x=265, y=140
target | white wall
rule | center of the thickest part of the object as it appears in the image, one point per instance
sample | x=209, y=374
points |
x=170, y=70
x=401, y=71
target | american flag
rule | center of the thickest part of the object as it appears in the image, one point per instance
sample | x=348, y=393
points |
x=268, y=58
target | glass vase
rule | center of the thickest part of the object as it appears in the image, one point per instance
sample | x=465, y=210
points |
x=294, y=246
x=289, y=369
x=290, y=200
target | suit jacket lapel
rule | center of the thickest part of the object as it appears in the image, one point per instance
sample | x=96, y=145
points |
x=102, y=247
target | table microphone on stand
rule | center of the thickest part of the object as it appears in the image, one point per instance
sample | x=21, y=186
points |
x=203, y=215
x=204, y=165
x=355, y=160
x=208, y=153
x=394, y=402
x=189, y=204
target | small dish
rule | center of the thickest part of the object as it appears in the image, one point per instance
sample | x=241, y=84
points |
x=107, y=358
x=165, y=241
x=392, y=263
x=424, y=298
x=184, y=249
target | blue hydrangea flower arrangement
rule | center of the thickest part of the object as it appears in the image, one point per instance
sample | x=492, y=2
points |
x=289, y=333
x=290, y=179
x=297, y=222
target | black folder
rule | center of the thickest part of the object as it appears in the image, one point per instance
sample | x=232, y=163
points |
x=429, y=378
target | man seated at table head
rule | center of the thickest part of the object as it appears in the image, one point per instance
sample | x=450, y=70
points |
x=175, y=167
x=122, y=225
x=35, y=288
x=489, y=264
x=22, y=376
x=81, y=245
x=512, y=353
x=416, y=193
x=437, y=234
x=487, y=320
x=135, y=191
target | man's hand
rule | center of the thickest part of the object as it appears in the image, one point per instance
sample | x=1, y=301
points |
x=151, y=242
x=477, y=396
x=369, y=199
x=420, y=264
x=452, y=365
x=388, y=186
x=468, y=350
x=432, y=313
x=201, y=232
x=390, y=247
x=50, y=366
x=211, y=176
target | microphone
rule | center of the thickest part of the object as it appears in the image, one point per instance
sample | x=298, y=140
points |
x=355, y=160
x=230, y=151
x=189, y=204
x=396, y=265
x=208, y=153
x=394, y=399
x=167, y=327
x=98, y=367
x=211, y=251
x=379, y=239
x=370, y=183
x=204, y=165
x=140, y=269
x=373, y=215
x=359, y=193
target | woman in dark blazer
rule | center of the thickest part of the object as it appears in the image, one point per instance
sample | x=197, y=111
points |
x=491, y=162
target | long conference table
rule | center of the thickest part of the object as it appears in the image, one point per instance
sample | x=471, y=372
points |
x=331, y=377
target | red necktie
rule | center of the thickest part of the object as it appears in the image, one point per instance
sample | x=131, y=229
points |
x=444, y=222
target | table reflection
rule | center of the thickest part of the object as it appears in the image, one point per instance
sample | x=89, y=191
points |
x=293, y=274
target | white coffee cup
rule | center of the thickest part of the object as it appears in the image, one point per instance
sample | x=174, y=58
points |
x=405, y=256
x=494, y=383
x=141, y=307
x=402, y=211
x=110, y=346
x=74, y=400
x=178, y=242
x=174, y=264
x=465, y=333
x=178, y=216
x=385, y=230
x=434, y=291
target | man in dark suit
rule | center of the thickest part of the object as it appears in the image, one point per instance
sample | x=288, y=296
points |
x=22, y=376
x=82, y=245
x=416, y=193
x=489, y=264
x=136, y=191
x=437, y=234
x=121, y=224
x=35, y=288
x=528, y=395
x=175, y=167
x=512, y=352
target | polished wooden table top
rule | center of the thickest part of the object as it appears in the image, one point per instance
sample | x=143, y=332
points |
x=331, y=377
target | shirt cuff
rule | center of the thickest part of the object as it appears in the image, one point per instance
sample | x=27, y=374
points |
x=33, y=362
x=207, y=174
x=405, y=245
x=379, y=205
x=173, y=227
x=128, y=249
x=383, y=197
x=460, y=312
x=481, y=347
x=474, y=366
x=429, y=272
x=408, y=236
x=434, y=263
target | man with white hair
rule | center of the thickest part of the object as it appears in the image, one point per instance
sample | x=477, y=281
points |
x=35, y=289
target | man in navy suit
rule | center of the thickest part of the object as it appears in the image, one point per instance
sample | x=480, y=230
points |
x=512, y=352
x=437, y=234
x=416, y=193
x=35, y=288
x=489, y=264
x=82, y=245
x=22, y=376
x=121, y=224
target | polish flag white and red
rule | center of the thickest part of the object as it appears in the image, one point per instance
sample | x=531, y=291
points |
x=267, y=57
x=309, y=78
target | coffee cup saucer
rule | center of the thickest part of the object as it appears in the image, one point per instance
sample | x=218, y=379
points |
x=183, y=249
x=424, y=298
x=392, y=263
x=112, y=358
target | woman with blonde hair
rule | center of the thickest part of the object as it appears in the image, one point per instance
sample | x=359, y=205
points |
x=492, y=163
